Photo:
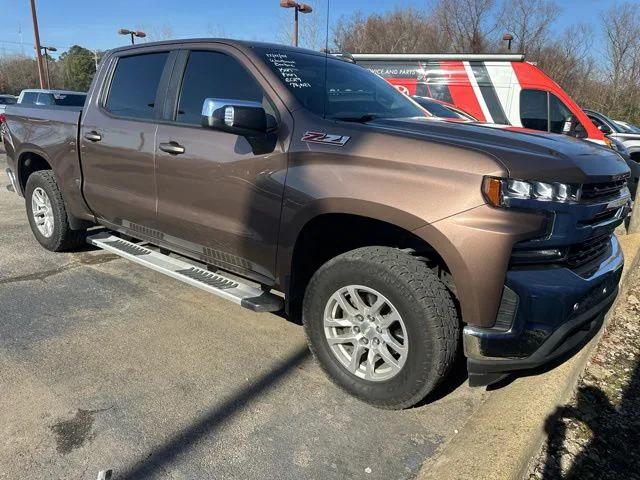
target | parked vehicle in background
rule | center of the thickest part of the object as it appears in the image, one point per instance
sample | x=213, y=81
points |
x=629, y=127
x=61, y=98
x=4, y=101
x=493, y=88
x=441, y=109
x=625, y=141
x=611, y=129
x=391, y=234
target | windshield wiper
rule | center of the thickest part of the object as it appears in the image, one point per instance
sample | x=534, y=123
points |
x=367, y=117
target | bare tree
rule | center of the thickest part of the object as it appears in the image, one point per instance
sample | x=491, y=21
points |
x=621, y=27
x=17, y=72
x=156, y=33
x=399, y=31
x=529, y=21
x=468, y=26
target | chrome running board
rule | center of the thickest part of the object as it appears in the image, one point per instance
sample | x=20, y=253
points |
x=245, y=295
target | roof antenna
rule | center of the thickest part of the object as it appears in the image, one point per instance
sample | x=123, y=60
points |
x=326, y=66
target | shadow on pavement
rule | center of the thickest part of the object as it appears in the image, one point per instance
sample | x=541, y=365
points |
x=157, y=459
x=612, y=451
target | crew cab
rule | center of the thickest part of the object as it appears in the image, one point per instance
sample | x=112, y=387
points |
x=285, y=179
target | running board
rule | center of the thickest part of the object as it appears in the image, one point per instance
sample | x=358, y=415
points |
x=245, y=295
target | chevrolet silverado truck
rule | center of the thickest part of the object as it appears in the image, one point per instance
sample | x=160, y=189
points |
x=286, y=179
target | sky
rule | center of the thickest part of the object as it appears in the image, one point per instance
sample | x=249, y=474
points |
x=93, y=24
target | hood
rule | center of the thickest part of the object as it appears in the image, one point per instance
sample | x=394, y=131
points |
x=525, y=154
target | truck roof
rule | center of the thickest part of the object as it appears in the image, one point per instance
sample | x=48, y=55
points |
x=226, y=41
x=51, y=90
x=417, y=57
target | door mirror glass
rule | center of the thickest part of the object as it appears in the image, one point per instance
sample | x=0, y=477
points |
x=604, y=129
x=240, y=117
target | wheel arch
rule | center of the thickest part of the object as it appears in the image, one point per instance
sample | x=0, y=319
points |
x=316, y=241
x=30, y=161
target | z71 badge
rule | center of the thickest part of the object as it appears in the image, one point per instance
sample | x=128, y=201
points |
x=325, y=138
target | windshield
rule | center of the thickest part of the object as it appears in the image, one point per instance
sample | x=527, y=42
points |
x=69, y=100
x=633, y=128
x=627, y=127
x=349, y=93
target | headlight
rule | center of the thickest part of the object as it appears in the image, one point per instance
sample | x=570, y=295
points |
x=499, y=191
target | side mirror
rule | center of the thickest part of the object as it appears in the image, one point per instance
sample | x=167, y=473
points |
x=604, y=129
x=240, y=117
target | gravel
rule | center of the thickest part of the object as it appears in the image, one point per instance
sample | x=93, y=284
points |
x=597, y=434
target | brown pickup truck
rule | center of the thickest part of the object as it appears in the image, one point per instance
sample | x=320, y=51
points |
x=281, y=178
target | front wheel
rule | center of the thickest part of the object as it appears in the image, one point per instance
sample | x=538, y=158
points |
x=48, y=215
x=381, y=325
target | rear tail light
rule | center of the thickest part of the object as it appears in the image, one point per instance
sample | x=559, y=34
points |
x=3, y=118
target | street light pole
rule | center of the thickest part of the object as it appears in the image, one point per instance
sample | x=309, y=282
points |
x=46, y=62
x=36, y=34
x=132, y=33
x=298, y=8
x=507, y=37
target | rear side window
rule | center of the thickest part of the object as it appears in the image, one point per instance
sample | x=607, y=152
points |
x=214, y=75
x=29, y=98
x=69, y=100
x=534, y=109
x=44, y=99
x=135, y=84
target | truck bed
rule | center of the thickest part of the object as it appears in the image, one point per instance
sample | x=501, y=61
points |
x=50, y=132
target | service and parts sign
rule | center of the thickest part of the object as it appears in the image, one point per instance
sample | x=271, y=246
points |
x=325, y=138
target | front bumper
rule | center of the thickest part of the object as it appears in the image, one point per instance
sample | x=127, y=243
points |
x=557, y=312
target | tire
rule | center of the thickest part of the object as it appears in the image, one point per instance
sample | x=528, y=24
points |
x=428, y=329
x=59, y=237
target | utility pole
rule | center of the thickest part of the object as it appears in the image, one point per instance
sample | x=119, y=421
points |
x=36, y=34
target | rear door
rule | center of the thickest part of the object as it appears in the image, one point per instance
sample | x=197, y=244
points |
x=218, y=200
x=117, y=140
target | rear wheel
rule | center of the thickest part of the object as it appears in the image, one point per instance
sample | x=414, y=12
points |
x=47, y=214
x=382, y=325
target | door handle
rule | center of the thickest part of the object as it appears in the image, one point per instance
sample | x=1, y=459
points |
x=93, y=136
x=171, y=147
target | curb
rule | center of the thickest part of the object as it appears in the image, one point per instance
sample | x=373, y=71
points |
x=502, y=437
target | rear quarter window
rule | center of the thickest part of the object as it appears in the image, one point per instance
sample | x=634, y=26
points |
x=134, y=85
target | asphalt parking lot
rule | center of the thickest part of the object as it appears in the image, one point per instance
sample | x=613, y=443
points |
x=105, y=364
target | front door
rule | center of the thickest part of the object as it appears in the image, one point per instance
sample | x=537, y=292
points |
x=117, y=141
x=216, y=198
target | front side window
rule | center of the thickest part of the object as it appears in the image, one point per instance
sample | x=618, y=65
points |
x=135, y=84
x=335, y=88
x=44, y=99
x=534, y=109
x=214, y=75
x=559, y=115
